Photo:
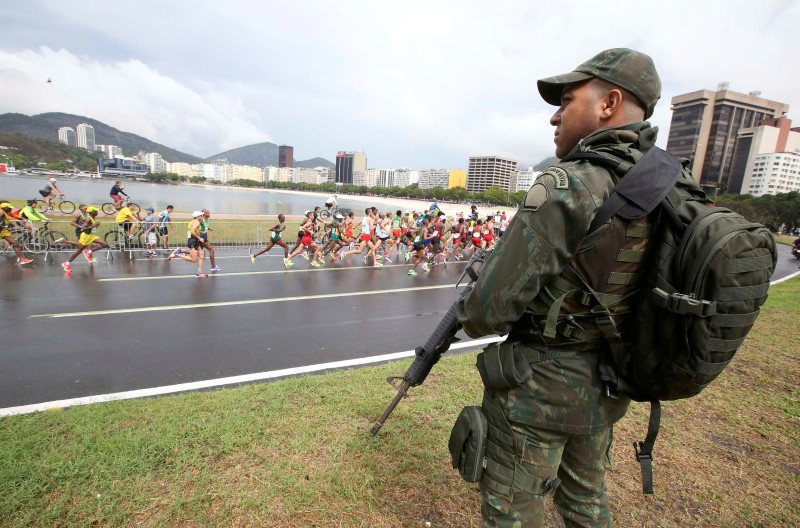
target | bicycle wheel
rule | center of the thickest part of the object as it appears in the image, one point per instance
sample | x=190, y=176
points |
x=66, y=207
x=324, y=214
x=108, y=208
x=52, y=236
x=40, y=206
x=35, y=243
x=134, y=207
x=112, y=238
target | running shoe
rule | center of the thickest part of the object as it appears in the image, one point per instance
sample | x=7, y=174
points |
x=60, y=240
x=201, y=274
x=341, y=255
x=445, y=263
x=88, y=255
x=24, y=261
x=378, y=257
x=365, y=260
x=388, y=260
x=321, y=258
x=425, y=267
x=315, y=264
x=93, y=260
x=174, y=254
x=305, y=255
x=253, y=259
x=412, y=272
x=377, y=265
x=216, y=268
x=65, y=265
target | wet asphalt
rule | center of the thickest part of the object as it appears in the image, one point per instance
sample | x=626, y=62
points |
x=125, y=324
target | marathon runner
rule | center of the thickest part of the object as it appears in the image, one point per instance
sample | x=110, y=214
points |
x=204, y=235
x=5, y=233
x=306, y=241
x=195, y=245
x=275, y=240
x=88, y=239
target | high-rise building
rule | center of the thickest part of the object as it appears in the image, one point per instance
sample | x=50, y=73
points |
x=285, y=156
x=155, y=163
x=402, y=177
x=66, y=135
x=110, y=151
x=348, y=163
x=523, y=180
x=489, y=171
x=430, y=178
x=705, y=125
x=458, y=178
x=85, y=137
x=765, y=159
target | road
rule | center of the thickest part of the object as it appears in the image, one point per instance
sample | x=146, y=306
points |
x=126, y=325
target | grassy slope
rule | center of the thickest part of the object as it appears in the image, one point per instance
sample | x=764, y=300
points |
x=297, y=453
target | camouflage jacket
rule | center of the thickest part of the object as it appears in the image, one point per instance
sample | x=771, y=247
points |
x=521, y=276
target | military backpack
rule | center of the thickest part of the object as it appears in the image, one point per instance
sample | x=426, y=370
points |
x=707, y=271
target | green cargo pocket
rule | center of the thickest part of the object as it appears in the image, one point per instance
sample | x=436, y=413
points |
x=467, y=443
x=503, y=475
x=503, y=366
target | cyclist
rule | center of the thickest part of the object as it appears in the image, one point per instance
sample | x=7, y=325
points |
x=5, y=234
x=49, y=191
x=32, y=215
x=116, y=190
x=330, y=204
x=88, y=239
x=126, y=219
x=15, y=218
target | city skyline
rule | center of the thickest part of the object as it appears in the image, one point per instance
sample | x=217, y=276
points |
x=412, y=90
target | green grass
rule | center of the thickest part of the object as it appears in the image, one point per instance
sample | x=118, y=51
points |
x=297, y=452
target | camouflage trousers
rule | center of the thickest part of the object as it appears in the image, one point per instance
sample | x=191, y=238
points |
x=525, y=465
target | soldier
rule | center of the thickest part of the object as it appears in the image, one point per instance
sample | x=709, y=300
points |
x=551, y=418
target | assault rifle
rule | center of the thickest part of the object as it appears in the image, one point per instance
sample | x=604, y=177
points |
x=437, y=344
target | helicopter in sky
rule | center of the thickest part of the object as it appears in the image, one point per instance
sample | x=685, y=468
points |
x=49, y=80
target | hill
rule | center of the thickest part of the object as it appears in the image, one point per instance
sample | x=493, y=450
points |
x=25, y=151
x=45, y=126
x=263, y=154
x=542, y=165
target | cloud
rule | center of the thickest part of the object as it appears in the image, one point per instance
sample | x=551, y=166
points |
x=128, y=95
x=422, y=84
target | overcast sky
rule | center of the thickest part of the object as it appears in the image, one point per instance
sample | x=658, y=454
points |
x=421, y=84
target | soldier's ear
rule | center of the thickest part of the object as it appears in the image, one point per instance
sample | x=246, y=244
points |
x=611, y=103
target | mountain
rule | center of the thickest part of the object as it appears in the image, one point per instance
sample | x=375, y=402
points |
x=542, y=165
x=45, y=126
x=263, y=154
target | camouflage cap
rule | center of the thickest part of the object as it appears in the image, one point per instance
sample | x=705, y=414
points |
x=623, y=67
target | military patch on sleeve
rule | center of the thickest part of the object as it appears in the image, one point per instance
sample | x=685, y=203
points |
x=560, y=176
x=536, y=197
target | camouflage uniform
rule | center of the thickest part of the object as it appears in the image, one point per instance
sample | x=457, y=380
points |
x=551, y=434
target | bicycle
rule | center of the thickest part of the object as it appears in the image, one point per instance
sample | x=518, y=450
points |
x=118, y=239
x=65, y=206
x=28, y=242
x=52, y=238
x=110, y=208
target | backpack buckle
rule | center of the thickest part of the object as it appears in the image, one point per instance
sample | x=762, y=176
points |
x=683, y=304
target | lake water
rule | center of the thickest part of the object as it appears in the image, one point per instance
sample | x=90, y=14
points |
x=225, y=200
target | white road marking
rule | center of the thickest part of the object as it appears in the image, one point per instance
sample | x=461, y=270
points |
x=236, y=303
x=793, y=275
x=232, y=380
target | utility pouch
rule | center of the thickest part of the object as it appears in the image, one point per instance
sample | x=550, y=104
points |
x=503, y=366
x=467, y=443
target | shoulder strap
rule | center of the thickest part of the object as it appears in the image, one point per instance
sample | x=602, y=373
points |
x=644, y=186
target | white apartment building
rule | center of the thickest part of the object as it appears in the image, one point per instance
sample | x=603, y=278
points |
x=523, y=180
x=155, y=163
x=489, y=171
x=774, y=173
x=430, y=178
x=402, y=177
x=270, y=173
x=323, y=174
x=302, y=175
x=66, y=135
x=84, y=137
x=110, y=151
